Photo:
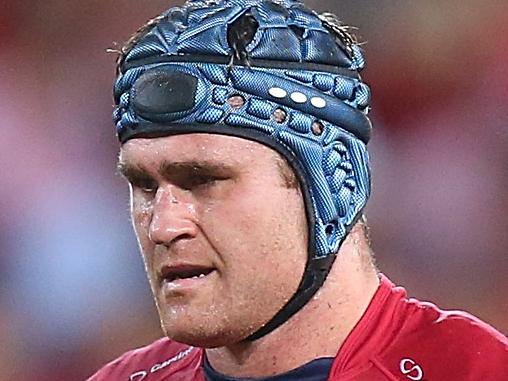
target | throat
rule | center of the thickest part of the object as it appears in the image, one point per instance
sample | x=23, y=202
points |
x=277, y=353
x=316, y=370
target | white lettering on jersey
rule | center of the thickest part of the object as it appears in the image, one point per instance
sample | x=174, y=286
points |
x=411, y=370
x=142, y=374
x=138, y=376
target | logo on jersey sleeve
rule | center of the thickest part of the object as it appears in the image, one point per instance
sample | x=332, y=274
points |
x=138, y=376
x=411, y=370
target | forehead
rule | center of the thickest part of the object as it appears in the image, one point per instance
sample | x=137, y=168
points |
x=195, y=147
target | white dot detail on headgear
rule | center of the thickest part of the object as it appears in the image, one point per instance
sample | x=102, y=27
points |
x=298, y=97
x=318, y=102
x=277, y=92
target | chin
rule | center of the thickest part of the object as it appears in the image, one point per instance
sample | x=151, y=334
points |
x=197, y=339
x=204, y=336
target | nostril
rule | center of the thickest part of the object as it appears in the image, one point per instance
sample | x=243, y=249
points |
x=183, y=237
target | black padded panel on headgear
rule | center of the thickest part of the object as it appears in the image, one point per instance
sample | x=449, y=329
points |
x=163, y=92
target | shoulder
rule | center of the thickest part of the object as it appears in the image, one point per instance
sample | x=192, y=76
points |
x=451, y=345
x=163, y=356
x=462, y=332
x=401, y=338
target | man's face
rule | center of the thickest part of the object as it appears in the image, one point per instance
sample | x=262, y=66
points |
x=223, y=239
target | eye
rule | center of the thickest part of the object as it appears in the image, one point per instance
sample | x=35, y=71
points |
x=145, y=186
x=196, y=181
x=149, y=190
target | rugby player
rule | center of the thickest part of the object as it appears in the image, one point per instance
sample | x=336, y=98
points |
x=243, y=128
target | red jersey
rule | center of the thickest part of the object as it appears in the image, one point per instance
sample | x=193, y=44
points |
x=397, y=339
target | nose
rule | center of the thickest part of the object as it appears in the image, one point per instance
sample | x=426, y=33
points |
x=172, y=218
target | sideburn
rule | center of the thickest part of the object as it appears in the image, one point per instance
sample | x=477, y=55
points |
x=288, y=176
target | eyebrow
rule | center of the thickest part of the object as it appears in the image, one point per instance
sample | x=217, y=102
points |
x=169, y=169
x=132, y=173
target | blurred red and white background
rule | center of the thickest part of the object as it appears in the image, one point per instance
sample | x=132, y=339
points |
x=74, y=294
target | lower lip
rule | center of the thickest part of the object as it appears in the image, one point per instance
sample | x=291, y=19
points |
x=179, y=285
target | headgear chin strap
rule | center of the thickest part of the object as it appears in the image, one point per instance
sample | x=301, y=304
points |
x=178, y=77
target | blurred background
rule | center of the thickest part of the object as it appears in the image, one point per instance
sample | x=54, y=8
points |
x=73, y=291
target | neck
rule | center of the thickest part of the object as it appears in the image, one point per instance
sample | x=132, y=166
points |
x=318, y=329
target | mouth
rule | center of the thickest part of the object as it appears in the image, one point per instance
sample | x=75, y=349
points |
x=171, y=274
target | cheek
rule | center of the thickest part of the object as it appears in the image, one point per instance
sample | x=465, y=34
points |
x=141, y=217
x=278, y=217
x=262, y=238
x=264, y=250
x=141, y=214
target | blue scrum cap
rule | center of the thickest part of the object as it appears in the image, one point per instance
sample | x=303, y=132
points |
x=297, y=75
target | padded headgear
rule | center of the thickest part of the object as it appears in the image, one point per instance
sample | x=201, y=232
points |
x=177, y=79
